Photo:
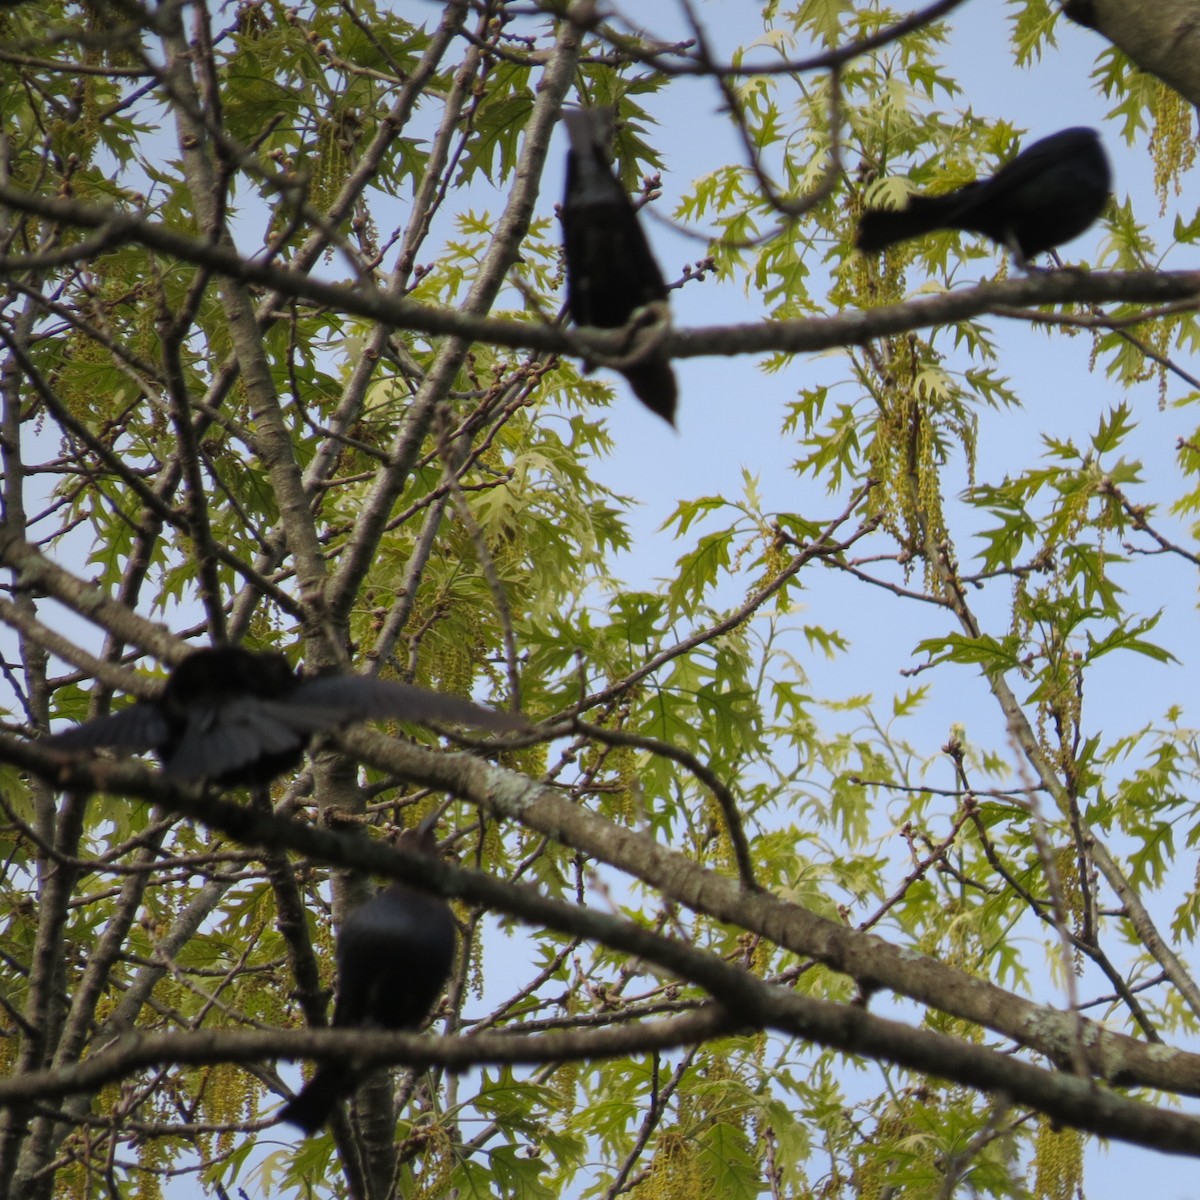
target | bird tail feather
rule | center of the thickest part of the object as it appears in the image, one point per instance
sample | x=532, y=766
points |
x=312, y=1107
x=882, y=227
x=653, y=383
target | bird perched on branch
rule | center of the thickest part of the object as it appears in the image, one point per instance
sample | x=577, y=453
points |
x=611, y=272
x=1048, y=194
x=241, y=717
x=394, y=955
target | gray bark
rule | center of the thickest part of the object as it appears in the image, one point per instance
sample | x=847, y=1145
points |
x=1162, y=37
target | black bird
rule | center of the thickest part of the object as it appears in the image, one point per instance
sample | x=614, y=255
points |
x=1048, y=194
x=610, y=270
x=237, y=716
x=394, y=955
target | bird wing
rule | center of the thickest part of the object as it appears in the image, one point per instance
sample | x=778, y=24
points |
x=611, y=270
x=139, y=727
x=361, y=697
x=1006, y=187
x=394, y=955
x=221, y=738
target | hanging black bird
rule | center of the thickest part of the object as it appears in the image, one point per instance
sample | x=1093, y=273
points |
x=394, y=955
x=610, y=270
x=1048, y=194
x=237, y=716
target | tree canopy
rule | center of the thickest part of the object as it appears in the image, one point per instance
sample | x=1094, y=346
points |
x=284, y=363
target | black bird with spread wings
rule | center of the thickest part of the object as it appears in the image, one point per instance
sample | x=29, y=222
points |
x=241, y=717
x=1048, y=194
x=394, y=955
x=610, y=270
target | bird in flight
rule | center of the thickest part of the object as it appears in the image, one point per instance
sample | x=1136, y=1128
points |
x=242, y=717
x=1048, y=194
x=610, y=270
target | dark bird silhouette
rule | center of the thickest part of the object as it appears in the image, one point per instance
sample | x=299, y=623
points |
x=242, y=717
x=1048, y=194
x=394, y=955
x=610, y=270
